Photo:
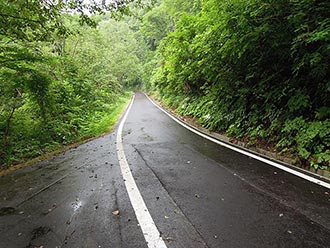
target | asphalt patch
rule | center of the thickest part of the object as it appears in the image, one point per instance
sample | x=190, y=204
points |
x=7, y=211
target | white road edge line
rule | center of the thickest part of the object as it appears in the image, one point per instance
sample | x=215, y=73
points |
x=277, y=165
x=149, y=229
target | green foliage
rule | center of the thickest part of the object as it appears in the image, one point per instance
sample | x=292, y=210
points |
x=255, y=69
x=156, y=24
x=312, y=140
x=58, y=87
x=43, y=20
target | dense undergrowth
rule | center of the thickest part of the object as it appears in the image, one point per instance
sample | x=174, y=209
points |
x=30, y=137
x=257, y=70
x=61, y=80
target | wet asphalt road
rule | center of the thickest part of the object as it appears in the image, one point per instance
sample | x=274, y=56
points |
x=199, y=194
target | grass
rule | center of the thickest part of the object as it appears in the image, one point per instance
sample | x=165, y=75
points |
x=104, y=124
x=106, y=120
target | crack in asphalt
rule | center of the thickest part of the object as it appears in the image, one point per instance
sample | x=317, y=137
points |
x=173, y=201
x=275, y=198
x=43, y=189
x=265, y=192
x=68, y=237
x=52, y=184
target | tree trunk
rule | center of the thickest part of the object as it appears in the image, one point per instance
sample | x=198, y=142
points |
x=6, y=133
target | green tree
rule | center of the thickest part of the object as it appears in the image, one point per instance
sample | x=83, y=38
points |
x=59, y=78
x=253, y=69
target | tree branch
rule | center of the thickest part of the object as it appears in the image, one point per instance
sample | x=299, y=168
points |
x=21, y=18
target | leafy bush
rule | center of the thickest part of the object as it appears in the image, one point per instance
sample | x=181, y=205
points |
x=312, y=140
x=255, y=69
x=66, y=89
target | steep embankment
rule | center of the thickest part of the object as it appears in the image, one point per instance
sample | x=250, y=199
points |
x=257, y=71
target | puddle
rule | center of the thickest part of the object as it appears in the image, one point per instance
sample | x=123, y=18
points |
x=39, y=232
x=7, y=211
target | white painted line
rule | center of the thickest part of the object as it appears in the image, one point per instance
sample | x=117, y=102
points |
x=252, y=155
x=149, y=229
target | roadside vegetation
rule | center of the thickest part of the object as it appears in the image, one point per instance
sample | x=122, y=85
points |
x=64, y=77
x=255, y=70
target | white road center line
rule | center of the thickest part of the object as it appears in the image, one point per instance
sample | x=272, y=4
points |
x=252, y=155
x=149, y=229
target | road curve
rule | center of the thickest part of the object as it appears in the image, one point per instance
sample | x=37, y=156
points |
x=198, y=194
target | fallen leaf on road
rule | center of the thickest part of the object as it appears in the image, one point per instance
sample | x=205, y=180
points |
x=116, y=212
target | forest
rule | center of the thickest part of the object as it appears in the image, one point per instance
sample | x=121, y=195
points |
x=64, y=74
x=254, y=70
